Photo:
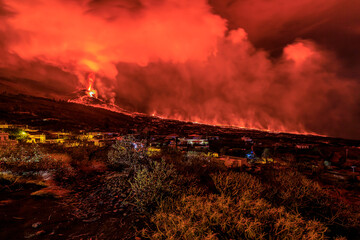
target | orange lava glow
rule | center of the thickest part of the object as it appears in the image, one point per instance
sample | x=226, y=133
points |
x=91, y=91
x=253, y=64
x=241, y=123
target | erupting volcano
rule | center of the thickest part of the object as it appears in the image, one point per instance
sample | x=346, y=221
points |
x=91, y=91
x=271, y=65
x=89, y=97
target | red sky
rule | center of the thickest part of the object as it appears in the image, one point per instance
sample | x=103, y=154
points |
x=275, y=64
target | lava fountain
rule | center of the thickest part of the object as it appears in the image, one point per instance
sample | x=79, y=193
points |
x=91, y=92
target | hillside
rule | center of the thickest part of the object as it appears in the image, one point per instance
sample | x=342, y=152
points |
x=49, y=114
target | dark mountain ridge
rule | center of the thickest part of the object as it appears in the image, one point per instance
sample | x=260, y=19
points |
x=49, y=114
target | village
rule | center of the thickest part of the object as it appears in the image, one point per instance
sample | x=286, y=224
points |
x=18, y=133
x=11, y=134
x=86, y=174
x=334, y=164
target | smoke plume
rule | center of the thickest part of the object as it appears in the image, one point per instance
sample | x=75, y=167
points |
x=188, y=60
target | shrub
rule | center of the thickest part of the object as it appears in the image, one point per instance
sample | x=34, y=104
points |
x=125, y=154
x=196, y=166
x=220, y=217
x=31, y=161
x=208, y=162
x=236, y=185
x=295, y=190
x=302, y=195
x=152, y=184
x=27, y=160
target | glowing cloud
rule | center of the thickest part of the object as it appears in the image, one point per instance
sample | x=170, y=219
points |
x=68, y=33
x=180, y=59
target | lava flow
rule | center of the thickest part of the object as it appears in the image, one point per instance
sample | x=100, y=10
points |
x=242, y=124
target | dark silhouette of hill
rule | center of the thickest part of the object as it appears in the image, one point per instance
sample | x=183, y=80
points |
x=49, y=114
x=56, y=115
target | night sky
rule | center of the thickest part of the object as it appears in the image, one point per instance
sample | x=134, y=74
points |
x=268, y=64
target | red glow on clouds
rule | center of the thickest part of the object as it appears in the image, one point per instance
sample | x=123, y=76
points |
x=68, y=34
x=181, y=60
x=298, y=52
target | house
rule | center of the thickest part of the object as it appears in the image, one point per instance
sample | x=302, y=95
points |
x=194, y=136
x=194, y=143
x=171, y=137
x=4, y=126
x=4, y=139
x=36, y=137
x=246, y=139
x=302, y=146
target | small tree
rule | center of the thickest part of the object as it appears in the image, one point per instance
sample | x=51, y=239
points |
x=127, y=154
x=152, y=184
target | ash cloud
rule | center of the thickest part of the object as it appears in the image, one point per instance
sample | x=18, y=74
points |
x=333, y=24
x=210, y=62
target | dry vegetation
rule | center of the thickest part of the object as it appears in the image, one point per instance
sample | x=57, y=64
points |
x=179, y=197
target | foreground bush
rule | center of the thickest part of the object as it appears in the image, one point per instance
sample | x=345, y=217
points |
x=30, y=161
x=127, y=154
x=26, y=160
x=237, y=185
x=220, y=217
x=152, y=184
x=208, y=163
x=302, y=195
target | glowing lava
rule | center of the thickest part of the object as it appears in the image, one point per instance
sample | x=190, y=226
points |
x=273, y=127
x=91, y=91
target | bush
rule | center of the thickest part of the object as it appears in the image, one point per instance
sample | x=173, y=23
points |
x=295, y=190
x=125, y=154
x=31, y=161
x=207, y=162
x=197, y=166
x=220, y=217
x=236, y=185
x=302, y=195
x=28, y=160
x=152, y=184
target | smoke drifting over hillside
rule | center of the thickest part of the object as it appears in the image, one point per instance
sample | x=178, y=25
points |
x=191, y=60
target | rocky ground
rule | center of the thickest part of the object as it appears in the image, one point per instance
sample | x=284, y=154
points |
x=30, y=211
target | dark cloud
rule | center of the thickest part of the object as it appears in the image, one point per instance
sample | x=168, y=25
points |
x=333, y=24
x=241, y=86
